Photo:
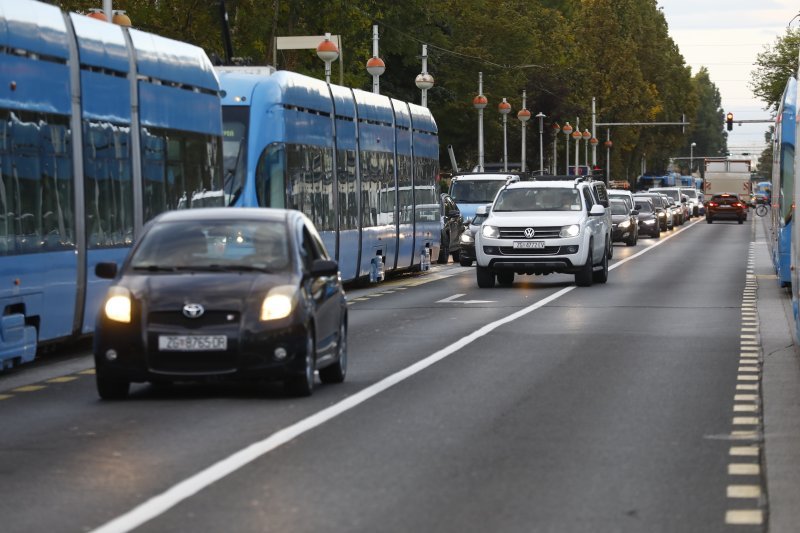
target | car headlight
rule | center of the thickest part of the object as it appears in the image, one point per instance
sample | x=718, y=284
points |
x=279, y=303
x=662, y=215
x=467, y=238
x=490, y=231
x=650, y=221
x=118, y=305
x=570, y=231
x=624, y=224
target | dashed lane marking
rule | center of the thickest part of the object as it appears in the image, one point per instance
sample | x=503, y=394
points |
x=28, y=388
x=752, y=517
x=6, y=396
x=745, y=451
x=744, y=491
x=62, y=379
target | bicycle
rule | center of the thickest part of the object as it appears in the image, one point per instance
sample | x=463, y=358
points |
x=761, y=210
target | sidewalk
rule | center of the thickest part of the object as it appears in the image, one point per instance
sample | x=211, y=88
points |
x=780, y=391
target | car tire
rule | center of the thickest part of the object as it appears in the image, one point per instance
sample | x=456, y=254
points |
x=610, y=248
x=443, y=251
x=485, y=277
x=303, y=384
x=111, y=388
x=657, y=233
x=455, y=255
x=583, y=278
x=631, y=240
x=601, y=276
x=708, y=220
x=464, y=261
x=505, y=279
x=741, y=221
x=336, y=372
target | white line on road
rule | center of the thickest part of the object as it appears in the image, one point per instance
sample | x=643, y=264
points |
x=158, y=505
x=455, y=299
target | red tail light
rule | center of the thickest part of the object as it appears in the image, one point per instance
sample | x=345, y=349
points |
x=738, y=204
x=712, y=204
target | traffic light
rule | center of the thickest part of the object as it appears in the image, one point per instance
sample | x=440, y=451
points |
x=729, y=121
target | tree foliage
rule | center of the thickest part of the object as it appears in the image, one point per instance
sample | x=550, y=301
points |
x=562, y=53
x=774, y=66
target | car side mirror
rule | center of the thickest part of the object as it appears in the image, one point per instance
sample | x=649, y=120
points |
x=597, y=210
x=323, y=267
x=105, y=270
x=634, y=212
x=455, y=213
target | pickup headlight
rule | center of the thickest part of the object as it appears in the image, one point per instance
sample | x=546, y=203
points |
x=490, y=231
x=279, y=302
x=118, y=305
x=624, y=224
x=570, y=231
x=467, y=238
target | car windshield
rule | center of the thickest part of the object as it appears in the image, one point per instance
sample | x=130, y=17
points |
x=656, y=200
x=477, y=220
x=538, y=199
x=644, y=207
x=691, y=193
x=619, y=208
x=475, y=191
x=234, y=245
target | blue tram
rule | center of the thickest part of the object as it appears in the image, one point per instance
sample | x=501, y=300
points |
x=362, y=166
x=783, y=178
x=101, y=128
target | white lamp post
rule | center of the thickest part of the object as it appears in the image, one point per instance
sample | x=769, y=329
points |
x=328, y=52
x=556, y=131
x=541, y=116
x=480, y=102
x=424, y=81
x=567, y=129
x=524, y=116
x=375, y=65
x=586, y=137
x=505, y=108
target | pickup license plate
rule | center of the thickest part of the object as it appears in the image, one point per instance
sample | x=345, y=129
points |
x=528, y=244
x=192, y=343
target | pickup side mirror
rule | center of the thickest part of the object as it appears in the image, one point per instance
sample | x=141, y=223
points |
x=597, y=210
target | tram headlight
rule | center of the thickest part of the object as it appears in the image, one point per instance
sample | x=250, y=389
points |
x=279, y=303
x=118, y=305
x=490, y=231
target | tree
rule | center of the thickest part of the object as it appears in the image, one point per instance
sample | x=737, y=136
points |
x=706, y=129
x=774, y=66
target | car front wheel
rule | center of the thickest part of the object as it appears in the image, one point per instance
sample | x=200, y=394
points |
x=583, y=278
x=336, y=372
x=303, y=385
x=601, y=276
x=111, y=388
x=485, y=277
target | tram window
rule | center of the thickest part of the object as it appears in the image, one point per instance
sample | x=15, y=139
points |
x=36, y=186
x=108, y=185
x=310, y=183
x=271, y=177
x=348, y=201
x=405, y=198
x=180, y=170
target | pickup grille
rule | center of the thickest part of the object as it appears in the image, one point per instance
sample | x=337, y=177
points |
x=545, y=232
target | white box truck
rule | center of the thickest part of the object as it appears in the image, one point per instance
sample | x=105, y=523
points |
x=727, y=175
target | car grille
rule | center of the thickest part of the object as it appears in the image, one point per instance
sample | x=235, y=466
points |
x=547, y=250
x=546, y=232
x=196, y=362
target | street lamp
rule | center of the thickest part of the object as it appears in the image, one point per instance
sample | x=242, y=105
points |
x=577, y=136
x=505, y=108
x=691, y=157
x=424, y=81
x=567, y=129
x=541, y=116
x=586, y=137
x=375, y=65
x=328, y=52
x=480, y=102
x=556, y=130
x=524, y=116
x=608, y=145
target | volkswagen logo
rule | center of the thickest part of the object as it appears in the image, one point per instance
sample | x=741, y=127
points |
x=193, y=310
x=529, y=233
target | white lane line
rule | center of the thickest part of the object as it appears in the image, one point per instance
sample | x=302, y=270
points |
x=751, y=517
x=743, y=469
x=158, y=505
x=744, y=491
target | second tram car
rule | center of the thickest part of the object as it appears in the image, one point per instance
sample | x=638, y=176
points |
x=362, y=166
x=783, y=182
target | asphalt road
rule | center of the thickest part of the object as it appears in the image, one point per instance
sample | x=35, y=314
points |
x=540, y=407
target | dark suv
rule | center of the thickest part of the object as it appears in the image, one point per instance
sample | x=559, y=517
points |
x=726, y=206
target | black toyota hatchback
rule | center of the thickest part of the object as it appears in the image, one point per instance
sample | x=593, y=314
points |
x=223, y=292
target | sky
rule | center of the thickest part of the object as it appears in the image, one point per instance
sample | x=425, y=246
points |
x=725, y=36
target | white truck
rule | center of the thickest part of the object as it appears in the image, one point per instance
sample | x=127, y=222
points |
x=727, y=175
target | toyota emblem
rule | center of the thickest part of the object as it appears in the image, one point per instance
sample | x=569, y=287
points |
x=529, y=233
x=193, y=310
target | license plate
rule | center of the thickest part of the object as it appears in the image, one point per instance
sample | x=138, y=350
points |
x=528, y=244
x=192, y=343
x=724, y=207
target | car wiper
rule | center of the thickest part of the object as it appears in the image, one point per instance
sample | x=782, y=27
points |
x=154, y=268
x=224, y=268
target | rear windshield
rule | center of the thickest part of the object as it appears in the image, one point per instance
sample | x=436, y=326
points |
x=619, y=208
x=691, y=193
x=725, y=200
x=475, y=191
x=657, y=201
x=544, y=199
x=644, y=207
x=675, y=195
